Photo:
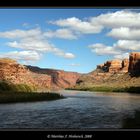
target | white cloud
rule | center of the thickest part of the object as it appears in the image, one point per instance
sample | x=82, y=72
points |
x=125, y=33
x=20, y=34
x=22, y=55
x=61, y=33
x=126, y=45
x=102, y=49
x=33, y=40
x=74, y=64
x=76, y=24
x=119, y=50
x=95, y=24
x=122, y=56
x=69, y=55
x=125, y=27
x=31, y=44
x=123, y=18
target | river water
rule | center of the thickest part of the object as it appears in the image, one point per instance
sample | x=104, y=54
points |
x=81, y=109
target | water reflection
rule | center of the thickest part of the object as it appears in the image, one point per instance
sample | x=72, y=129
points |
x=79, y=110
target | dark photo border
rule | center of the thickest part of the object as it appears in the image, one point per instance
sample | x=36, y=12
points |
x=43, y=134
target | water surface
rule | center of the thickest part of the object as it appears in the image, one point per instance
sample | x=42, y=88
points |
x=81, y=109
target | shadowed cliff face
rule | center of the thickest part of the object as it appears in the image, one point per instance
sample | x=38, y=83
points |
x=119, y=73
x=134, y=65
x=114, y=66
x=114, y=71
x=12, y=72
x=59, y=78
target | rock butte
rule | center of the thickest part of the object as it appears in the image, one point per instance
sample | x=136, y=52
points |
x=114, y=66
x=44, y=79
x=134, y=63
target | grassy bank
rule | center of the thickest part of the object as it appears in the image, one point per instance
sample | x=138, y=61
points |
x=23, y=93
x=5, y=86
x=10, y=97
x=108, y=89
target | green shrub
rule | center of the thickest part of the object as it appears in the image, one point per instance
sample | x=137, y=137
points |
x=9, y=97
x=4, y=86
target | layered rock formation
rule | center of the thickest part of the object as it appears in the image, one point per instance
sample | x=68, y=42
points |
x=114, y=73
x=134, y=63
x=114, y=66
x=12, y=72
x=59, y=78
x=125, y=65
x=44, y=79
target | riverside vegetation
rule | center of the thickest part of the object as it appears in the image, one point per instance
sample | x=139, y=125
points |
x=108, y=89
x=24, y=93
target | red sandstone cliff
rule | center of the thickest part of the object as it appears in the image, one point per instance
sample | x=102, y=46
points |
x=15, y=73
x=43, y=79
x=134, y=63
x=12, y=72
x=114, y=71
x=115, y=66
x=59, y=78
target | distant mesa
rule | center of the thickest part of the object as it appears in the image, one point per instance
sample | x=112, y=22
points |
x=43, y=78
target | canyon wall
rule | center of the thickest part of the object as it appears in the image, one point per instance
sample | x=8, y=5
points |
x=134, y=63
x=12, y=72
x=114, y=66
x=59, y=78
x=131, y=65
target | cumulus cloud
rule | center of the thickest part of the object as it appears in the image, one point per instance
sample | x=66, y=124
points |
x=120, y=49
x=125, y=33
x=76, y=24
x=19, y=34
x=125, y=27
x=22, y=55
x=102, y=49
x=32, y=40
x=62, y=54
x=123, y=18
x=61, y=33
x=132, y=45
x=95, y=24
x=31, y=44
x=122, y=56
x=74, y=64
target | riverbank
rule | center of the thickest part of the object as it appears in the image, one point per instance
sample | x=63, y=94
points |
x=108, y=89
x=132, y=122
x=12, y=97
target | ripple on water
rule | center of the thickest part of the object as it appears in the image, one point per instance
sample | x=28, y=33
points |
x=78, y=110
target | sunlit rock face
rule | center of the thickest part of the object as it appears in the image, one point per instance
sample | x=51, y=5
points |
x=12, y=72
x=134, y=63
x=125, y=65
x=114, y=66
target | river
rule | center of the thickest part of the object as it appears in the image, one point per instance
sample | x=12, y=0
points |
x=81, y=109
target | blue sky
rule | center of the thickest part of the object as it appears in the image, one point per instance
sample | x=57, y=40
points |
x=68, y=39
